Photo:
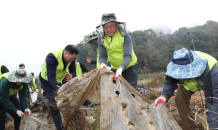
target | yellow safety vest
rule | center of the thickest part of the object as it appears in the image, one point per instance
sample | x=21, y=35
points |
x=60, y=72
x=97, y=61
x=192, y=85
x=115, y=51
x=34, y=86
x=78, y=69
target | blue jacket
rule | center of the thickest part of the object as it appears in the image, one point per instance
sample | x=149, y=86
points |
x=210, y=80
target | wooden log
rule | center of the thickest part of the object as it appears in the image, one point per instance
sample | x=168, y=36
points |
x=74, y=93
x=122, y=107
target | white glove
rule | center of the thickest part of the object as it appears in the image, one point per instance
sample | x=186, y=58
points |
x=37, y=90
x=119, y=72
x=160, y=100
x=19, y=113
x=102, y=66
x=109, y=68
x=28, y=112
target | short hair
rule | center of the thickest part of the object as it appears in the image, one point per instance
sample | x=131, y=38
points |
x=32, y=74
x=22, y=64
x=71, y=49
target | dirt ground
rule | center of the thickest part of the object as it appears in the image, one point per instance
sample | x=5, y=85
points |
x=10, y=125
x=95, y=112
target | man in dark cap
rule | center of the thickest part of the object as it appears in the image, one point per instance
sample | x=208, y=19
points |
x=21, y=66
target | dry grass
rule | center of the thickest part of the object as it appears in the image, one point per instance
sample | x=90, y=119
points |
x=151, y=95
x=157, y=81
x=95, y=112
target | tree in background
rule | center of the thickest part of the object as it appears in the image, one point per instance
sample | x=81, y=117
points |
x=154, y=46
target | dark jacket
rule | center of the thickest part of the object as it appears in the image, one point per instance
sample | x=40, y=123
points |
x=84, y=70
x=4, y=94
x=209, y=78
x=4, y=69
x=52, y=63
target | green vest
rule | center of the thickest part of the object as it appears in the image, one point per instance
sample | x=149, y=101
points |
x=11, y=89
x=192, y=85
x=34, y=86
x=115, y=51
x=78, y=69
x=60, y=72
x=97, y=62
x=0, y=69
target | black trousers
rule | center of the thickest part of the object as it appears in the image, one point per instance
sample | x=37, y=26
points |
x=3, y=110
x=48, y=90
x=131, y=75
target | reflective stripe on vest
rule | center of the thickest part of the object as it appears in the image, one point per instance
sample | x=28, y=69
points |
x=97, y=62
x=78, y=69
x=115, y=51
x=34, y=86
x=60, y=72
x=11, y=91
x=192, y=85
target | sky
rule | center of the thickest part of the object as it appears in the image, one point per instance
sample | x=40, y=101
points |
x=30, y=29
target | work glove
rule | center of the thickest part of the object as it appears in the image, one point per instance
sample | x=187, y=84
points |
x=37, y=90
x=89, y=60
x=109, y=68
x=28, y=112
x=19, y=113
x=68, y=76
x=160, y=100
x=102, y=66
x=118, y=72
